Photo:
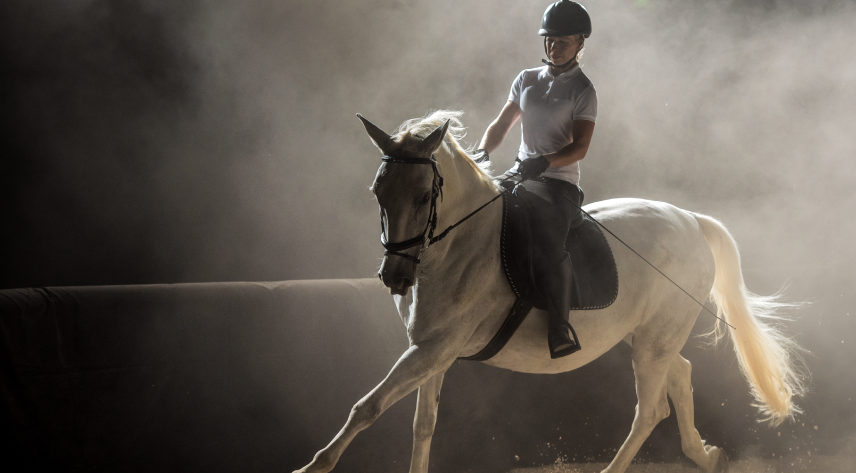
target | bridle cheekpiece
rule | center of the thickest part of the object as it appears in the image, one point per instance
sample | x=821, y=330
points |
x=426, y=238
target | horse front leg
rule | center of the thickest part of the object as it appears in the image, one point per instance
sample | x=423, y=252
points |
x=417, y=364
x=424, y=421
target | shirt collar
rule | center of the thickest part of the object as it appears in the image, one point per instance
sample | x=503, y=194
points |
x=570, y=73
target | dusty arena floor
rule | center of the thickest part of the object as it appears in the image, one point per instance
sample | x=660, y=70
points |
x=837, y=464
x=843, y=461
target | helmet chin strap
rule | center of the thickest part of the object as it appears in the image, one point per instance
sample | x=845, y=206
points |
x=560, y=66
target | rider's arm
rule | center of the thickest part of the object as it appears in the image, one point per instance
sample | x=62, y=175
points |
x=582, y=132
x=497, y=130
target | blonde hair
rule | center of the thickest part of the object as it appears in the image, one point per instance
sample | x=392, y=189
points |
x=579, y=56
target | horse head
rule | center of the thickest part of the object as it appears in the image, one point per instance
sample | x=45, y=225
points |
x=407, y=186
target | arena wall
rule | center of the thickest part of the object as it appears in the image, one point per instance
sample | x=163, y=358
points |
x=259, y=376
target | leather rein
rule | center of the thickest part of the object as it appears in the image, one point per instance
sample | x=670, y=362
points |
x=427, y=237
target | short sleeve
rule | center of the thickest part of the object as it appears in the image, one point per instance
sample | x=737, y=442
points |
x=585, y=107
x=516, y=88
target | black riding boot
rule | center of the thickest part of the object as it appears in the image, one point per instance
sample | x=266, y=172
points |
x=561, y=338
x=553, y=208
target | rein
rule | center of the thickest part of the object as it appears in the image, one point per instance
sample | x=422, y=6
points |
x=426, y=238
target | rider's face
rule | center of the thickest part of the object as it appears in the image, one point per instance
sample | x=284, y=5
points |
x=561, y=49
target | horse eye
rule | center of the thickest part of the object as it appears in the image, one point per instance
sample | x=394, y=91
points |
x=426, y=197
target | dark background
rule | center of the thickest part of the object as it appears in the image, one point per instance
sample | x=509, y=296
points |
x=163, y=142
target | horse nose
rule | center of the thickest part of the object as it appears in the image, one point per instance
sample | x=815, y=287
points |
x=400, y=286
x=397, y=283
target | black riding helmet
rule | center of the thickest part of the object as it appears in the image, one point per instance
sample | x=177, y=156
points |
x=564, y=18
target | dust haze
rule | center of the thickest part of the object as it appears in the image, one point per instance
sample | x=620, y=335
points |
x=162, y=142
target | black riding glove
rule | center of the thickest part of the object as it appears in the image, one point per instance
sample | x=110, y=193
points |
x=532, y=167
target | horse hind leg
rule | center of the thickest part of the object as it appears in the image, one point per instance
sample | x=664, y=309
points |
x=707, y=457
x=652, y=406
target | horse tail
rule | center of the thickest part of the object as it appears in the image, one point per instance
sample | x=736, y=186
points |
x=769, y=359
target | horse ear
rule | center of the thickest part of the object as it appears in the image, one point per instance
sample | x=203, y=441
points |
x=431, y=142
x=381, y=139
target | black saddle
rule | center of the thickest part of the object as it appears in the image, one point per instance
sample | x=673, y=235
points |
x=595, y=273
x=594, y=266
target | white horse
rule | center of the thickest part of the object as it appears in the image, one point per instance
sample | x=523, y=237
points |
x=454, y=299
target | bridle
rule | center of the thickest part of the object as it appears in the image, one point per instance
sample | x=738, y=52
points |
x=426, y=238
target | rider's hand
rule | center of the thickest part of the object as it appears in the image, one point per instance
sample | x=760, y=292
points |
x=532, y=167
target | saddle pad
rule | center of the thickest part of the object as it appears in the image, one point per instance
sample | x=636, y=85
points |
x=593, y=263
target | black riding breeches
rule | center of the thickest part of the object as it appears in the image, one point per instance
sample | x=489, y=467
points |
x=553, y=209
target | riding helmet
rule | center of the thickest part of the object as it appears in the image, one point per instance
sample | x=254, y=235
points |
x=565, y=18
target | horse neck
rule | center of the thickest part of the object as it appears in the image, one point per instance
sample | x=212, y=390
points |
x=465, y=189
x=469, y=254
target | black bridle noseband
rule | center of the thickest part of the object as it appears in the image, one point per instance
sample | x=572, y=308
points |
x=426, y=238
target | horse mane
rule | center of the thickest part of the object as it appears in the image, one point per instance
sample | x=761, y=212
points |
x=422, y=126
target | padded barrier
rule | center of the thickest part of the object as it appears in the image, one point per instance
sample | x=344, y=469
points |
x=257, y=377
x=191, y=377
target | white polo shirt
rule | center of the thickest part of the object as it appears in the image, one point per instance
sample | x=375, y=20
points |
x=549, y=105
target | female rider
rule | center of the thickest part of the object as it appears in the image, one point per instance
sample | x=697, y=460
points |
x=557, y=105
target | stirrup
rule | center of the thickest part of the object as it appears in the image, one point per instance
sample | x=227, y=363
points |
x=562, y=344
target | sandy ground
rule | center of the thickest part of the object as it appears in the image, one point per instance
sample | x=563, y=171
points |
x=843, y=461
x=837, y=464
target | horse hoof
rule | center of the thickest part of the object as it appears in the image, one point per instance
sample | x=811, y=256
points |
x=721, y=465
